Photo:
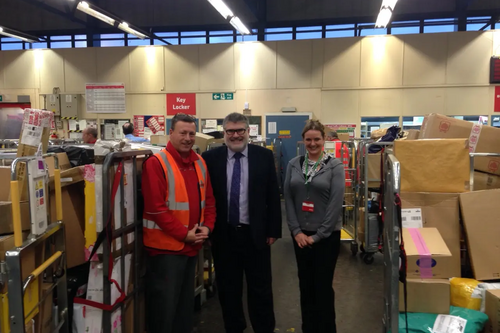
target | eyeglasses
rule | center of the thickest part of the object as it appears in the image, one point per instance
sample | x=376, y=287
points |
x=239, y=131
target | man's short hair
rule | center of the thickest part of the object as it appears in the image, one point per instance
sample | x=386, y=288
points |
x=182, y=117
x=333, y=134
x=128, y=128
x=235, y=117
x=92, y=131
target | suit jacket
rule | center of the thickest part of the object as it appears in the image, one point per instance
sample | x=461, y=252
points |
x=263, y=194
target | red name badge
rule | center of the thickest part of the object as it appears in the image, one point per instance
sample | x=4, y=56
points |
x=308, y=206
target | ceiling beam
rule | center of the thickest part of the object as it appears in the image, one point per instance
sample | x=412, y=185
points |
x=56, y=11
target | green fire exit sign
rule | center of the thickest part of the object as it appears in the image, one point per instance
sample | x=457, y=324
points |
x=222, y=96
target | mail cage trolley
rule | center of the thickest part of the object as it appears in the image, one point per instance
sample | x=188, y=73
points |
x=24, y=296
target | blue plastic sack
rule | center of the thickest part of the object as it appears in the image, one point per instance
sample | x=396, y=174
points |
x=424, y=322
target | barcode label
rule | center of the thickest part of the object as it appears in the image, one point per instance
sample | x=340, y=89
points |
x=449, y=324
x=412, y=218
x=32, y=135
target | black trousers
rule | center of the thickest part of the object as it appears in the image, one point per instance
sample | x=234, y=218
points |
x=170, y=293
x=316, y=266
x=233, y=258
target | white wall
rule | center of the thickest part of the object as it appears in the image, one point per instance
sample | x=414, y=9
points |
x=339, y=80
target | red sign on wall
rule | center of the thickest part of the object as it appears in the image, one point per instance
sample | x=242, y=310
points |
x=497, y=99
x=181, y=103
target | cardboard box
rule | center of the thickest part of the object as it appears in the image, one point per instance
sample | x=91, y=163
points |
x=440, y=211
x=434, y=165
x=44, y=318
x=427, y=254
x=426, y=296
x=63, y=160
x=483, y=139
x=485, y=181
x=203, y=140
x=493, y=311
x=482, y=226
x=412, y=134
x=343, y=136
x=159, y=140
x=69, y=177
x=5, y=181
x=73, y=202
x=6, y=224
x=374, y=164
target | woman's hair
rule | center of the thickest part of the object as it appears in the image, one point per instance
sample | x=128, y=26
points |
x=314, y=125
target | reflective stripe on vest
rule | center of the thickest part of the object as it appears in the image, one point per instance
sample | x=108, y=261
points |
x=177, y=202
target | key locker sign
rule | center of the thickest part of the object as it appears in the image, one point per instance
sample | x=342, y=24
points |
x=145, y=126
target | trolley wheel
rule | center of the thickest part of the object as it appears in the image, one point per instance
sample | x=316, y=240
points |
x=362, y=248
x=368, y=258
x=354, y=248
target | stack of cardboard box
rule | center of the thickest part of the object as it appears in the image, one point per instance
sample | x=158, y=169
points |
x=435, y=188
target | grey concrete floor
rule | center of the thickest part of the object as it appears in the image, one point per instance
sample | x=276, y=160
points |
x=358, y=290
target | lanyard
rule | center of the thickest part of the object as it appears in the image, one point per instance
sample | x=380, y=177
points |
x=314, y=167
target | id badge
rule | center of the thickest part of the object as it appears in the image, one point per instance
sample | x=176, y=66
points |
x=308, y=206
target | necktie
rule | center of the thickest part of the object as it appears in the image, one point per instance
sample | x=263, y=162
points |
x=234, y=199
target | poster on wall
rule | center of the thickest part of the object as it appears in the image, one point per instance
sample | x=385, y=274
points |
x=105, y=97
x=343, y=128
x=145, y=126
x=181, y=103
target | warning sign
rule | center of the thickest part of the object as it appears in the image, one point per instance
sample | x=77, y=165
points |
x=343, y=128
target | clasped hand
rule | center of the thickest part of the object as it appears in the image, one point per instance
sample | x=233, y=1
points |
x=304, y=241
x=197, y=235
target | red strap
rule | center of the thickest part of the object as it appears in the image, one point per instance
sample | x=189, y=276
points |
x=108, y=231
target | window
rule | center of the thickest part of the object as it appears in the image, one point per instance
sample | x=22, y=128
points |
x=274, y=37
x=193, y=33
x=60, y=45
x=473, y=119
x=495, y=121
x=271, y=30
x=369, y=124
x=193, y=40
x=340, y=26
x=60, y=37
x=372, y=32
x=173, y=41
x=39, y=45
x=112, y=36
x=246, y=38
x=340, y=33
x=81, y=44
x=412, y=123
x=12, y=46
x=226, y=39
x=167, y=34
x=439, y=28
x=139, y=42
x=308, y=35
x=309, y=28
x=404, y=28
x=80, y=37
x=217, y=33
x=112, y=43
x=477, y=26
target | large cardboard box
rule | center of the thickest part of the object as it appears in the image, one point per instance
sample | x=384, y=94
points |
x=159, y=140
x=427, y=254
x=63, y=160
x=73, y=202
x=440, y=211
x=482, y=226
x=5, y=181
x=412, y=134
x=374, y=165
x=434, y=165
x=485, y=181
x=44, y=319
x=483, y=139
x=426, y=296
x=203, y=140
x=492, y=305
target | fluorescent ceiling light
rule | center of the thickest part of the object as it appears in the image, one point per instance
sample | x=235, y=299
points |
x=125, y=27
x=222, y=8
x=383, y=18
x=85, y=7
x=2, y=32
x=238, y=25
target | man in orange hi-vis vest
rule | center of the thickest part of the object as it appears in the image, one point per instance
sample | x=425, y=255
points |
x=179, y=214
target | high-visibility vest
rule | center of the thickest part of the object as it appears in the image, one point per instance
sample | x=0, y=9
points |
x=177, y=202
x=342, y=153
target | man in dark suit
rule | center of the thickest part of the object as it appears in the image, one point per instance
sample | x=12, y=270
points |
x=248, y=222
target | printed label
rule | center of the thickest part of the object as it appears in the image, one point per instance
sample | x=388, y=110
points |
x=444, y=126
x=474, y=137
x=412, y=218
x=449, y=324
x=32, y=135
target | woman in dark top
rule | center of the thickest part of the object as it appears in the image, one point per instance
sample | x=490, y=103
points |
x=314, y=193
